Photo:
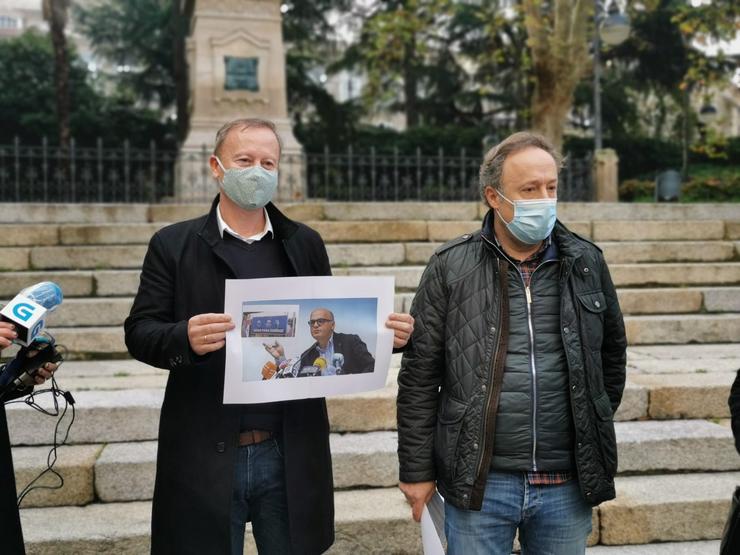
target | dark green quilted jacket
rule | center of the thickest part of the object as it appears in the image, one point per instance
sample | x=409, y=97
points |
x=452, y=370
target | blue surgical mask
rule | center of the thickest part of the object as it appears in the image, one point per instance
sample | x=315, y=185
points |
x=250, y=188
x=533, y=220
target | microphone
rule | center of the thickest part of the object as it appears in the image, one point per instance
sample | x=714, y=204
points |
x=27, y=311
x=320, y=365
x=337, y=361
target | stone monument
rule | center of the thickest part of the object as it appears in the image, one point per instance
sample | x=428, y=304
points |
x=236, y=62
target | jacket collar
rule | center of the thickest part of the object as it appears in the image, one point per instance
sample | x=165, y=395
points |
x=283, y=227
x=568, y=246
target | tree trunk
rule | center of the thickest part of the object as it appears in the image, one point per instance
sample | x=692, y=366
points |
x=409, y=85
x=55, y=12
x=558, y=40
x=182, y=12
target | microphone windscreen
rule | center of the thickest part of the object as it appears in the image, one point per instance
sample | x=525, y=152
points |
x=47, y=293
x=320, y=362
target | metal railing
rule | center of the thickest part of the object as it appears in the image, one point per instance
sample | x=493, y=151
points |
x=125, y=174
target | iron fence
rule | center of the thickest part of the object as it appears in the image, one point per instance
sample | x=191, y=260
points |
x=125, y=174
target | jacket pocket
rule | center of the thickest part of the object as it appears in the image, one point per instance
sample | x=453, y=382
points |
x=605, y=429
x=593, y=305
x=449, y=425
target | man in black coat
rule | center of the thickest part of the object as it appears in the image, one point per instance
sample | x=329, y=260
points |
x=219, y=466
x=11, y=535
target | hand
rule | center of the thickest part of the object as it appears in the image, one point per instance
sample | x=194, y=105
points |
x=7, y=335
x=207, y=332
x=417, y=496
x=45, y=372
x=276, y=350
x=269, y=370
x=402, y=326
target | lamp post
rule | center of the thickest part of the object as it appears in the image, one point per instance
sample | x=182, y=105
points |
x=613, y=28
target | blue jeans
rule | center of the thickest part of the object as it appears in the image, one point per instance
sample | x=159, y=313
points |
x=551, y=519
x=259, y=496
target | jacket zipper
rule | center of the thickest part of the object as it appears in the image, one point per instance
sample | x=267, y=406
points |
x=490, y=389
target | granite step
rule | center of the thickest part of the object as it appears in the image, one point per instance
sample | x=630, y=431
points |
x=623, y=275
x=651, y=277
x=107, y=410
x=641, y=330
x=673, y=508
x=367, y=521
x=619, y=252
x=112, y=311
x=676, y=507
x=125, y=471
x=667, y=548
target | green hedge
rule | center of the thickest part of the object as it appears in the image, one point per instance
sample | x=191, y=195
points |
x=710, y=189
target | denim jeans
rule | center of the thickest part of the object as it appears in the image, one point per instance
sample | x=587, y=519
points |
x=551, y=519
x=259, y=496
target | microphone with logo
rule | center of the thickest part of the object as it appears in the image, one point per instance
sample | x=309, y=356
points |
x=27, y=312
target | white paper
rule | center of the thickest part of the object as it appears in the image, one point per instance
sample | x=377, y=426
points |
x=274, y=313
x=433, y=526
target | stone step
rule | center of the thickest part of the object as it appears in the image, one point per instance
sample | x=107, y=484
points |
x=672, y=508
x=122, y=403
x=667, y=251
x=652, y=278
x=51, y=213
x=631, y=230
x=623, y=275
x=125, y=248
x=474, y=210
x=682, y=329
x=75, y=463
x=620, y=252
x=125, y=471
x=108, y=234
x=668, y=548
x=376, y=520
x=676, y=507
x=87, y=257
x=112, y=311
x=683, y=359
x=641, y=330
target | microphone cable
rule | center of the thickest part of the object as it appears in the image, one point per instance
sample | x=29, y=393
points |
x=51, y=459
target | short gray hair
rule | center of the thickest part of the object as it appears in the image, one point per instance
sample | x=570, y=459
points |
x=492, y=167
x=243, y=124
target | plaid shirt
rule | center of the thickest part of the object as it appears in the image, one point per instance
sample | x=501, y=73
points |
x=527, y=268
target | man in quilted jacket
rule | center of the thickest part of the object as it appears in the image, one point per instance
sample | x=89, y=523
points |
x=514, y=371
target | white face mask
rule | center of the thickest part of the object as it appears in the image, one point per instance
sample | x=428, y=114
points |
x=533, y=220
x=250, y=188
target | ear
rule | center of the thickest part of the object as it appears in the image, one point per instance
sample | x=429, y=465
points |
x=493, y=198
x=215, y=168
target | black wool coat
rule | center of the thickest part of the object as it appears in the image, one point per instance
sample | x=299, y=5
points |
x=11, y=537
x=183, y=275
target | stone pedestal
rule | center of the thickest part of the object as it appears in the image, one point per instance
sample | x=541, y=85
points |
x=236, y=61
x=606, y=175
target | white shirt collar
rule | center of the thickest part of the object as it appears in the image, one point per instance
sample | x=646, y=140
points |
x=223, y=226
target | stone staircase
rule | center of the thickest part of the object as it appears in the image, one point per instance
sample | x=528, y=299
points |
x=677, y=270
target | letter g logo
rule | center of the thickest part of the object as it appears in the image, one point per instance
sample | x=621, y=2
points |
x=23, y=311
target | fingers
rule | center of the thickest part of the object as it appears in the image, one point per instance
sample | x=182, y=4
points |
x=45, y=372
x=7, y=334
x=402, y=326
x=417, y=510
x=209, y=318
x=207, y=332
